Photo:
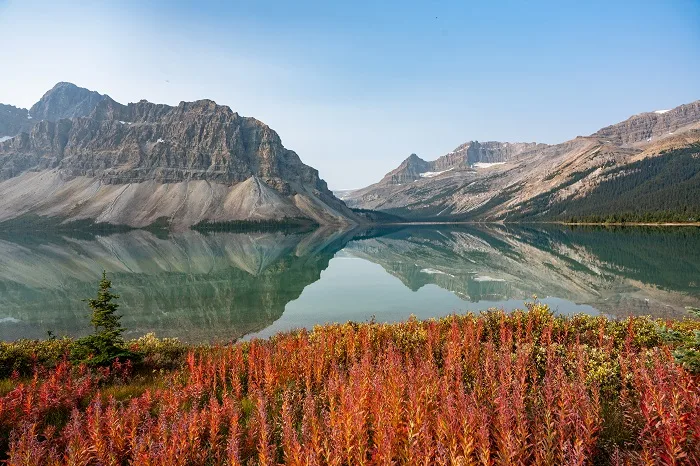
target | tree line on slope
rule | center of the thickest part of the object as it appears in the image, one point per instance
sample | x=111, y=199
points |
x=665, y=188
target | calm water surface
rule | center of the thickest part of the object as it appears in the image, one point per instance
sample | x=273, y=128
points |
x=223, y=286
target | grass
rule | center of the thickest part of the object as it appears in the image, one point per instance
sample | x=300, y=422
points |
x=6, y=386
x=494, y=389
x=134, y=388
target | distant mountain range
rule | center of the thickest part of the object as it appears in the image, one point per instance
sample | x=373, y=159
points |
x=77, y=155
x=80, y=156
x=645, y=168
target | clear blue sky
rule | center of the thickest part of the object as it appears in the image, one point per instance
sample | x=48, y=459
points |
x=356, y=86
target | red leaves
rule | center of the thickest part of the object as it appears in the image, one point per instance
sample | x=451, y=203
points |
x=668, y=408
x=502, y=390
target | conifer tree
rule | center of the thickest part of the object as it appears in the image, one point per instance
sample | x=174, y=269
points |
x=104, y=312
x=106, y=343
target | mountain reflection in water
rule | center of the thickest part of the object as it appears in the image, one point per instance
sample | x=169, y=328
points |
x=221, y=286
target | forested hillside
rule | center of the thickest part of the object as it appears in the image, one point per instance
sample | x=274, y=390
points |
x=665, y=188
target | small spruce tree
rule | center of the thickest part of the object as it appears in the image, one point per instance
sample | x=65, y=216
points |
x=104, y=312
x=106, y=343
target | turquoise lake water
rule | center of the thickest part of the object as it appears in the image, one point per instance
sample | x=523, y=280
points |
x=222, y=286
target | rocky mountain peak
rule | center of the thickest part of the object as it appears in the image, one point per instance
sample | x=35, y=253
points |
x=409, y=170
x=413, y=158
x=204, y=105
x=65, y=100
x=197, y=161
x=464, y=157
x=413, y=162
x=490, y=152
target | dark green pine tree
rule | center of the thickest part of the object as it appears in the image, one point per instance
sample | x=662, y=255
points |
x=106, y=343
x=104, y=312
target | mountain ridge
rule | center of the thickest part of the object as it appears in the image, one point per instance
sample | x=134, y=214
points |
x=135, y=164
x=643, y=126
x=496, y=181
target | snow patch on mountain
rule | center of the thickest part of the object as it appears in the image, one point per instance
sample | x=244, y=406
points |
x=486, y=165
x=432, y=174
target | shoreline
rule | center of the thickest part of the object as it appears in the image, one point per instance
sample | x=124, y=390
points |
x=635, y=224
x=621, y=224
x=245, y=227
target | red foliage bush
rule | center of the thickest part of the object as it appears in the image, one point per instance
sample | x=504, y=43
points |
x=493, y=390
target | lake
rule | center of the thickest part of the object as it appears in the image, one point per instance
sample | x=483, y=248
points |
x=222, y=286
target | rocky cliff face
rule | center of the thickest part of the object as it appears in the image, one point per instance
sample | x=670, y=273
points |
x=13, y=121
x=486, y=152
x=144, y=141
x=502, y=181
x=652, y=126
x=409, y=170
x=138, y=163
x=65, y=100
x=464, y=157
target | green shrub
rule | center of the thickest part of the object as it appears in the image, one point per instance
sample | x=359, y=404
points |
x=23, y=356
x=159, y=353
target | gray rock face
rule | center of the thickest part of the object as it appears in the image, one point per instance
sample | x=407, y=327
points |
x=650, y=126
x=195, y=162
x=65, y=100
x=462, y=158
x=496, y=181
x=409, y=170
x=144, y=141
x=13, y=121
x=488, y=152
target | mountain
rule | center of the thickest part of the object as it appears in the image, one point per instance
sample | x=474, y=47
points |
x=143, y=163
x=641, y=156
x=650, y=126
x=467, y=156
x=66, y=100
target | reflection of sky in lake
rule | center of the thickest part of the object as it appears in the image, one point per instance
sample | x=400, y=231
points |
x=354, y=289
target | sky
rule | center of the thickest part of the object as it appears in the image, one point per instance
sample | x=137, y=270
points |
x=355, y=87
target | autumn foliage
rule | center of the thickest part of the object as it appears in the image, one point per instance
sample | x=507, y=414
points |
x=495, y=389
